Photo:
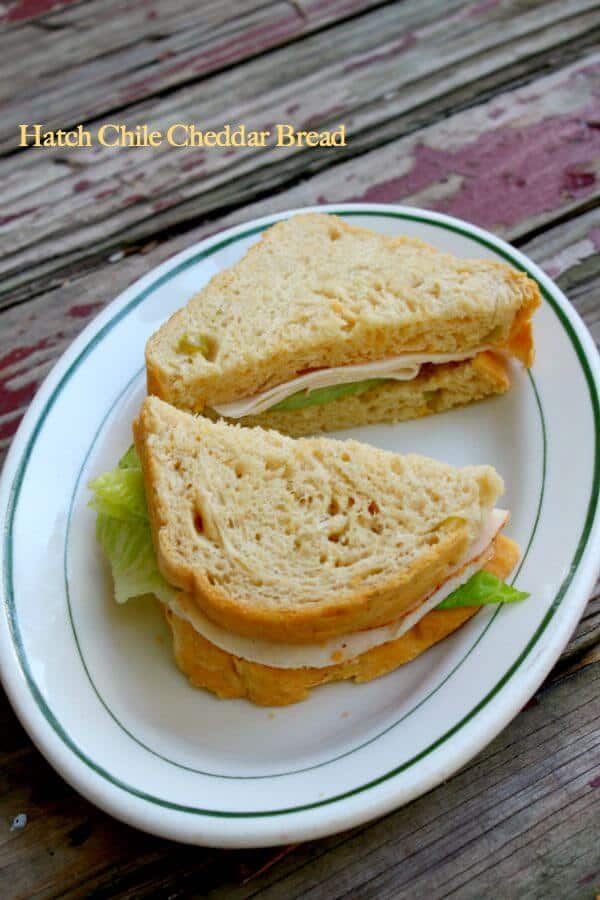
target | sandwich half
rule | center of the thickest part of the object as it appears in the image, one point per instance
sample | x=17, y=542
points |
x=284, y=564
x=323, y=325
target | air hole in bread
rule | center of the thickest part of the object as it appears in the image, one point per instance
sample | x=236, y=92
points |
x=351, y=501
x=323, y=558
x=334, y=507
x=258, y=537
x=198, y=523
x=432, y=399
x=334, y=234
x=373, y=507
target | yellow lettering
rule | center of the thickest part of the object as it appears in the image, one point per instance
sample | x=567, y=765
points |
x=172, y=140
x=338, y=138
x=102, y=135
x=285, y=136
x=35, y=133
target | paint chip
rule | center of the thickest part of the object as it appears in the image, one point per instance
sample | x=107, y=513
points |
x=19, y=822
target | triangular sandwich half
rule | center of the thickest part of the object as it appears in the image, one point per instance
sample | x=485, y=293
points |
x=284, y=564
x=323, y=325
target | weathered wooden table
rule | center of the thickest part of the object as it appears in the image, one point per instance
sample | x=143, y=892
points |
x=488, y=110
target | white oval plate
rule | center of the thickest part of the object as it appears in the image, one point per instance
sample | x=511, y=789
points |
x=95, y=685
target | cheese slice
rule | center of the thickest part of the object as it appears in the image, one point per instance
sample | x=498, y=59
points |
x=349, y=646
x=397, y=368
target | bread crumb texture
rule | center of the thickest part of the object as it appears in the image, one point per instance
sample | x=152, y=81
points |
x=315, y=291
x=301, y=540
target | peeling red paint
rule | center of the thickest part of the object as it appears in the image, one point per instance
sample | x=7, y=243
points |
x=325, y=116
x=11, y=398
x=409, y=40
x=552, y=270
x=84, y=310
x=8, y=428
x=290, y=110
x=574, y=179
x=193, y=163
x=594, y=237
x=595, y=782
x=496, y=112
x=82, y=185
x=108, y=192
x=17, y=354
x=10, y=217
x=245, y=44
x=507, y=175
x=482, y=7
x=591, y=877
x=166, y=202
x=22, y=10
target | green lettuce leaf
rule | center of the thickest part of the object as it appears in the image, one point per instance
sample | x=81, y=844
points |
x=130, y=553
x=120, y=492
x=123, y=531
x=481, y=589
x=325, y=395
x=130, y=460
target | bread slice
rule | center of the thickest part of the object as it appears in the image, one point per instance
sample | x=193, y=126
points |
x=228, y=676
x=318, y=292
x=301, y=540
x=434, y=390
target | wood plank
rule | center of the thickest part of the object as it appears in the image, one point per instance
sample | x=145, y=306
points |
x=119, y=198
x=119, y=52
x=521, y=814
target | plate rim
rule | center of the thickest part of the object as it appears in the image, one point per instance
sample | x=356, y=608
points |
x=584, y=569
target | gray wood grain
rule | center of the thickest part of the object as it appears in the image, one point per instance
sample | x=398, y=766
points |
x=100, y=200
x=519, y=821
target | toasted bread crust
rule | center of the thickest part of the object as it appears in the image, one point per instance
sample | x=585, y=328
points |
x=228, y=676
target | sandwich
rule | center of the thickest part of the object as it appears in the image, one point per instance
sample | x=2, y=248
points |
x=323, y=325
x=283, y=564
